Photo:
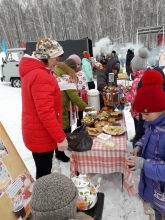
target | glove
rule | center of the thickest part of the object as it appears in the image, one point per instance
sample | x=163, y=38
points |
x=63, y=145
x=139, y=162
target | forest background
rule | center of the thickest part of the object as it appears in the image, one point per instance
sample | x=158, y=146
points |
x=31, y=20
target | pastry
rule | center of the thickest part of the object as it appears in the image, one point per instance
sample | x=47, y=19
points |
x=101, y=124
x=122, y=100
x=94, y=131
x=116, y=114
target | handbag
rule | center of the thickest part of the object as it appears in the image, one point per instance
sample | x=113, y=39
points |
x=79, y=140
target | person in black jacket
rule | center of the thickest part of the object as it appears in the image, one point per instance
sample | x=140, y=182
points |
x=140, y=129
x=129, y=57
x=113, y=66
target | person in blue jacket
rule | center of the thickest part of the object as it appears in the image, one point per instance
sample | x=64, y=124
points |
x=149, y=151
x=87, y=69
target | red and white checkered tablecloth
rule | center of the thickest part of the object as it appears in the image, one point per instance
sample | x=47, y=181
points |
x=102, y=160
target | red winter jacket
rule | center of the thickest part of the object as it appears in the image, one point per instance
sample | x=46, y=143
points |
x=41, y=106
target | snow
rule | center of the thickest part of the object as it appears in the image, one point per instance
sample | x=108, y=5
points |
x=117, y=205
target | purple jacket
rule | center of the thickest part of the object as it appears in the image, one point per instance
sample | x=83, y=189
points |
x=153, y=169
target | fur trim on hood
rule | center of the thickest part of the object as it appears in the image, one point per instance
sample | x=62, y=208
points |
x=67, y=70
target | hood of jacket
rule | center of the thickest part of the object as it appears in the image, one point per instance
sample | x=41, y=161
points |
x=111, y=63
x=29, y=63
x=63, y=69
x=139, y=74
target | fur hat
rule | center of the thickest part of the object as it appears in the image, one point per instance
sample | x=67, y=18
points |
x=139, y=62
x=54, y=197
x=48, y=48
x=150, y=97
x=71, y=63
x=76, y=58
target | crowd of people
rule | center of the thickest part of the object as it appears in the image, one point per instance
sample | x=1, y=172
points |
x=54, y=96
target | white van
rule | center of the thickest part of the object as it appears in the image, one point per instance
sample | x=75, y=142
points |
x=9, y=68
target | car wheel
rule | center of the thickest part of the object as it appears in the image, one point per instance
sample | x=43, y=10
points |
x=16, y=82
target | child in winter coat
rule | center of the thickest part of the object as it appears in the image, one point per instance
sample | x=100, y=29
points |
x=82, y=86
x=87, y=69
x=139, y=66
x=149, y=151
x=54, y=197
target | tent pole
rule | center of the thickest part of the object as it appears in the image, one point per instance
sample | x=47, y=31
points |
x=137, y=35
x=163, y=37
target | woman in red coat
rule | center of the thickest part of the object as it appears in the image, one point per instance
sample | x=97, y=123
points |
x=41, y=105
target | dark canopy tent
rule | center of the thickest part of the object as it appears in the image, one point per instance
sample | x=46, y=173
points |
x=69, y=47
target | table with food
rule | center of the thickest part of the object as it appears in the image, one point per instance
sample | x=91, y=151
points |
x=109, y=150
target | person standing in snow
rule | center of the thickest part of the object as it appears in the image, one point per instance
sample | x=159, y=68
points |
x=139, y=66
x=42, y=105
x=129, y=57
x=82, y=86
x=113, y=66
x=149, y=151
x=161, y=59
x=87, y=69
x=65, y=74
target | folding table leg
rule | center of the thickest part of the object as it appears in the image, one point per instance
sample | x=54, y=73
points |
x=122, y=180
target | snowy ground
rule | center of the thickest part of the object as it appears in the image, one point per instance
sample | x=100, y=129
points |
x=118, y=205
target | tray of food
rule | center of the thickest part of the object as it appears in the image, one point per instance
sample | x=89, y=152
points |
x=89, y=120
x=101, y=124
x=94, y=131
x=114, y=130
x=117, y=115
x=103, y=116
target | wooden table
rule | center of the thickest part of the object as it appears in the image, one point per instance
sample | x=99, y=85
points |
x=102, y=160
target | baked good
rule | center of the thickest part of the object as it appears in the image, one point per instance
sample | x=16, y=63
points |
x=101, y=124
x=122, y=100
x=94, y=131
x=116, y=114
x=105, y=109
x=103, y=116
x=88, y=120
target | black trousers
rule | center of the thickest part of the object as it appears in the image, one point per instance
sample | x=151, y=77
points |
x=43, y=162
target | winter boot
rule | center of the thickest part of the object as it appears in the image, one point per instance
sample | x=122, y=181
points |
x=60, y=155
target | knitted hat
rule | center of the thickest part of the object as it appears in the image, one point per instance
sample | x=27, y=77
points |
x=71, y=63
x=48, y=48
x=54, y=197
x=150, y=97
x=131, y=48
x=75, y=58
x=86, y=54
x=139, y=62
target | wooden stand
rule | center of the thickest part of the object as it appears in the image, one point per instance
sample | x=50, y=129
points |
x=13, y=164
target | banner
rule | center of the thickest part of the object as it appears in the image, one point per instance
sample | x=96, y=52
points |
x=4, y=48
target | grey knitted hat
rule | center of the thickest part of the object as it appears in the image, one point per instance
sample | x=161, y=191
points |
x=139, y=62
x=54, y=198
